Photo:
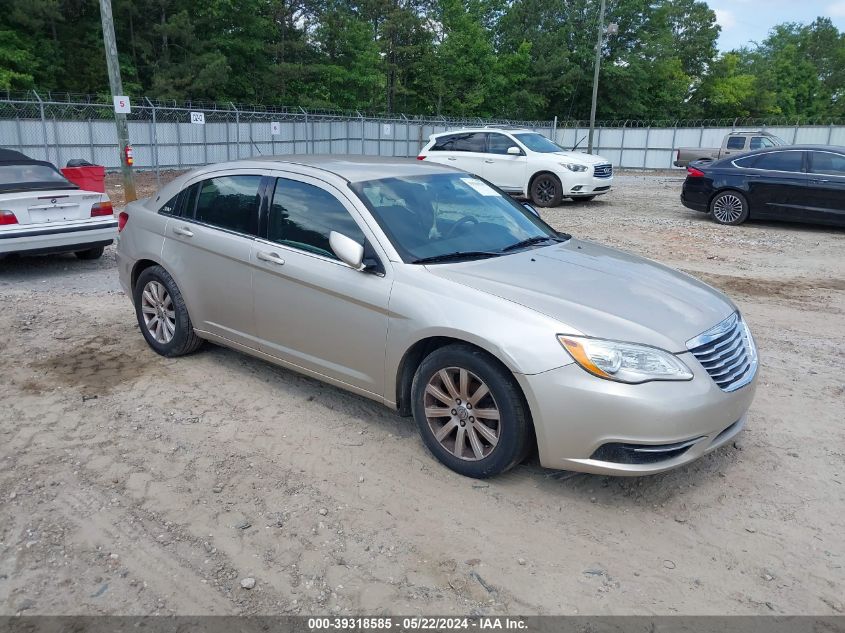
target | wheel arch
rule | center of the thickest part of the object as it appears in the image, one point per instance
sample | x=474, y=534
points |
x=140, y=266
x=417, y=352
x=725, y=189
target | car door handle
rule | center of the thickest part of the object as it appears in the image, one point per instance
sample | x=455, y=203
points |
x=272, y=258
x=489, y=161
x=451, y=158
x=184, y=231
x=820, y=180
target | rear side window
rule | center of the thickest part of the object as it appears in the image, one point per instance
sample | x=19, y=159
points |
x=474, y=142
x=174, y=205
x=736, y=142
x=230, y=202
x=780, y=161
x=302, y=216
x=443, y=143
x=828, y=163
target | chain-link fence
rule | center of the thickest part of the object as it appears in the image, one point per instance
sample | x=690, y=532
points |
x=169, y=135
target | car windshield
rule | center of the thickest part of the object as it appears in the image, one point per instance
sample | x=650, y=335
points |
x=538, y=143
x=32, y=176
x=451, y=216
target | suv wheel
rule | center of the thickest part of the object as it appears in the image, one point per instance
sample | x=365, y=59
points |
x=162, y=314
x=470, y=412
x=546, y=190
x=729, y=207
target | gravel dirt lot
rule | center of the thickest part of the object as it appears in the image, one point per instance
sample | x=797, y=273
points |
x=135, y=484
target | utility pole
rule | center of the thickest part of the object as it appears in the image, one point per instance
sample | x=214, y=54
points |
x=596, y=79
x=116, y=86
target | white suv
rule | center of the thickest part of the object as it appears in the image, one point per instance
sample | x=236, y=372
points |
x=523, y=162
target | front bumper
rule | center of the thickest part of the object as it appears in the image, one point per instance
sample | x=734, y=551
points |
x=587, y=424
x=581, y=186
x=41, y=238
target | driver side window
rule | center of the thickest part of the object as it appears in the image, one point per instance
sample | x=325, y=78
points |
x=302, y=216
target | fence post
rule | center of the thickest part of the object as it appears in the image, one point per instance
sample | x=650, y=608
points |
x=363, y=140
x=179, y=142
x=154, y=141
x=43, y=125
x=622, y=148
x=91, y=140
x=554, y=130
x=674, y=134
x=347, y=135
x=307, y=132
x=830, y=133
x=407, y=135
x=645, y=151
x=238, y=130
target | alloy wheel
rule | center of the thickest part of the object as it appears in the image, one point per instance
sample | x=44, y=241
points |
x=462, y=414
x=727, y=208
x=545, y=190
x=157, y=310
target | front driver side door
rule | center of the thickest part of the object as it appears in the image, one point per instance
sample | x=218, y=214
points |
x=311, y=309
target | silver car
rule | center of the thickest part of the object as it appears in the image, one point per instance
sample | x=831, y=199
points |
x=425, y=288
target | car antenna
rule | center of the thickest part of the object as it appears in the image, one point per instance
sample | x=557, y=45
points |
x=579, y=142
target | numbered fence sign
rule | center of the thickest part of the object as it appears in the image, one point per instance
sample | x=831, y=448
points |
x=198, y=118
x=121, y=104
x=275, y=128
x=387, y=130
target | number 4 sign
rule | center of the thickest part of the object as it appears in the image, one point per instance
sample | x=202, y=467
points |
x=198, y=118
x=121, y=104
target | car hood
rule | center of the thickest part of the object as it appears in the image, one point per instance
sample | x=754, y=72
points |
x=599, y=291
x=586, y=159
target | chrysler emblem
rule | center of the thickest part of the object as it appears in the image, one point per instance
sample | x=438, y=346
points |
x=53, y=201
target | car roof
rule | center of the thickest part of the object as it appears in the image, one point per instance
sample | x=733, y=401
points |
x=785, y=148
x=469, y=130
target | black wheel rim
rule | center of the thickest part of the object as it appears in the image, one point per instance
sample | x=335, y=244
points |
x=545, y=190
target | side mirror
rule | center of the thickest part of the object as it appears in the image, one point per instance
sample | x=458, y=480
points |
x=513, y=150
x=347, y=250
x=531, y=208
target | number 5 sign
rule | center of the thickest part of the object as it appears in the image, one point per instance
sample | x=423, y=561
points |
x=198, y=118
x=121, y=104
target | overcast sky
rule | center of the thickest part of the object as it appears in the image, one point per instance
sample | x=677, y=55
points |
x=743, y=21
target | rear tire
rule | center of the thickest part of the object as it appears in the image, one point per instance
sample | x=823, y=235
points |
x=490, y=420
x=546, y=190
x=91, y=253
x=729, y=207
x=162, y=314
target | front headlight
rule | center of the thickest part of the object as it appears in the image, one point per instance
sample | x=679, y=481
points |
x=624, y=362
x=574, y=166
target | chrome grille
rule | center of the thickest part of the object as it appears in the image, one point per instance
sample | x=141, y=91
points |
x=605, y=170
x=727, y=352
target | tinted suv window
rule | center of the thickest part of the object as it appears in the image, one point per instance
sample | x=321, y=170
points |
x=780, y=161
x=736, y=142
x=230, y=202
x=499, y=144
x=828, y=163
x=303, y=216
x=443, y=143
x=474, y=142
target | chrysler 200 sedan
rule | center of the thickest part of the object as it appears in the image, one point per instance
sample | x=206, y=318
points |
x=427, y=289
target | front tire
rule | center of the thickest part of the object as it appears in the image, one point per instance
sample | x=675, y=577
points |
x=162, y=314
x=729, y=207
x=91, y=253
x=470, y=412
x=546, y=190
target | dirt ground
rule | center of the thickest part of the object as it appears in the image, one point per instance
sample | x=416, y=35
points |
x=134, y=484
